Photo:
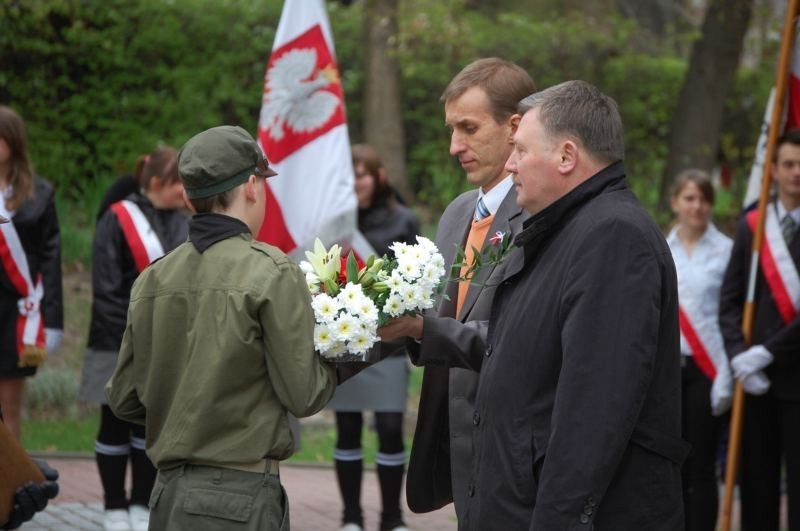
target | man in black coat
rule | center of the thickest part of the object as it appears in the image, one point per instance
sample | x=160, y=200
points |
x=577, y=415
x=770, y=369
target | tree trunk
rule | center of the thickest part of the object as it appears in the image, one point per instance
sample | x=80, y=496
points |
x=383, y=120
x=696, y=122
x=658, y=16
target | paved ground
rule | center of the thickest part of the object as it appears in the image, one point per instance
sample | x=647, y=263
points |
x=313, y=499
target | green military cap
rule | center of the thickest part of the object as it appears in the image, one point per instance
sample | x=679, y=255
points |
x=219, y=159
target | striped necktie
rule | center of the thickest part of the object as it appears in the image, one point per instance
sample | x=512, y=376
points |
x=788, y=226
x=480, y=210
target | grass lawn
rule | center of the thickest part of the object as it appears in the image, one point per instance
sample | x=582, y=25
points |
x=73, y=434
x=78, y=435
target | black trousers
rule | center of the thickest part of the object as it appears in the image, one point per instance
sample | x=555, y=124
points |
x=702, y=430
x=770, y=436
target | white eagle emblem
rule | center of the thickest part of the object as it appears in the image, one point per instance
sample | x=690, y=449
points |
x=293, y=99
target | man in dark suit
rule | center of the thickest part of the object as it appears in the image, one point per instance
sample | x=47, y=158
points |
x=577, y=414
x=480, y=111
x=770, y=369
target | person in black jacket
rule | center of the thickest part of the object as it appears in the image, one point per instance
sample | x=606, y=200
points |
x=770, y=368
x=577, y=414
x=129, y=235
x=382, y=388
x=29, y=202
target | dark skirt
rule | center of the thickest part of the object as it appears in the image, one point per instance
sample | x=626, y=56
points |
x=9, y=357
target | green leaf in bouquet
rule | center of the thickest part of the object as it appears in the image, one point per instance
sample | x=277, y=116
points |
x=370, y=261
x=331, y=287
x=352, y=268
x=380, y=287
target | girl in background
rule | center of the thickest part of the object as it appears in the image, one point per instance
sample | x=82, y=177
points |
x=383, y=388
x=129, y=235
x=31, y=310
x=701, y=254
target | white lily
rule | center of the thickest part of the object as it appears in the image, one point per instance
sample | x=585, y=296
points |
x=326, y=263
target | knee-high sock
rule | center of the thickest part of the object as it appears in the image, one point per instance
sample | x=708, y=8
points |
x=349, y=469
x=111, y=452
x=390, y=476
x=112, y=461
x=349, y=464
x=390, y=462
x=143, y=472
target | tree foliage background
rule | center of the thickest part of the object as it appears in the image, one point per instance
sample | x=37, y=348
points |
x=101, y=81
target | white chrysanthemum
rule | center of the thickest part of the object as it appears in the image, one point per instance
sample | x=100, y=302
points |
x=432, y=274
x=437, y=260
x=323, y=339
x=306, y=267
x=409, y=267
x=361, y=343
x=345, y=327
x=336, y=349
x=426, y=302
x=400, y=249
x=325, y=308
x=408, y=294
x=393, y=305
x=365, y=309
x=395, y=281
x=426, y=244
x=350, y=294
x=313, y=283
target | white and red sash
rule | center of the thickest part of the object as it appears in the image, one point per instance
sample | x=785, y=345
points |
x=142, y=240
x=707, y=348
x=30, y=328
x=779, y=269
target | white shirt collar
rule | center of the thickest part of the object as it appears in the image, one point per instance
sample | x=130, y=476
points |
x=711, y=235
x=494, y=197
x=781, y=211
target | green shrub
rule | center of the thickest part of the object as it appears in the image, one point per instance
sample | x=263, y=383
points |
x=100, y=82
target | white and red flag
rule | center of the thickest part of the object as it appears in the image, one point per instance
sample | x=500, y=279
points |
x=790, y=119
x=303, y=131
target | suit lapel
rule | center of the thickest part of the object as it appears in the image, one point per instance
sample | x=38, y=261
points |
x=454, y=235
x=507, y=220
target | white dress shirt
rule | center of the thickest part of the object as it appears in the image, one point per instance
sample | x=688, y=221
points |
x=781, y=211
x=494, y=197
x=699, y=280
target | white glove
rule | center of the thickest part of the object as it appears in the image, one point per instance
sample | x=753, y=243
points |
x=756, y=384
x=751, y=361
x=52, y=339
x=721, y=392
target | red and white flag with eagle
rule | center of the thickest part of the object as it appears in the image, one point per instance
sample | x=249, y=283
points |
x=303, y=131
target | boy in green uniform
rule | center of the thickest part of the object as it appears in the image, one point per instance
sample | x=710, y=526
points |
x=218, y=348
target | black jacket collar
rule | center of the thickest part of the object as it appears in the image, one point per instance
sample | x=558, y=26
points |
x=559, y=212
x=207, y=229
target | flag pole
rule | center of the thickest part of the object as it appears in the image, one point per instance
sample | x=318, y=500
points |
x=737, y=413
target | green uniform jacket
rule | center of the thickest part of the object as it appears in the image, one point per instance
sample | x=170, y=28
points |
x=217, y=348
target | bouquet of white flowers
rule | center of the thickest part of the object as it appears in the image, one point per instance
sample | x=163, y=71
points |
x=351, y=300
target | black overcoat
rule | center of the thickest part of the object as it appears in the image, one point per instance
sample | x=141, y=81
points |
x=577, y=417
